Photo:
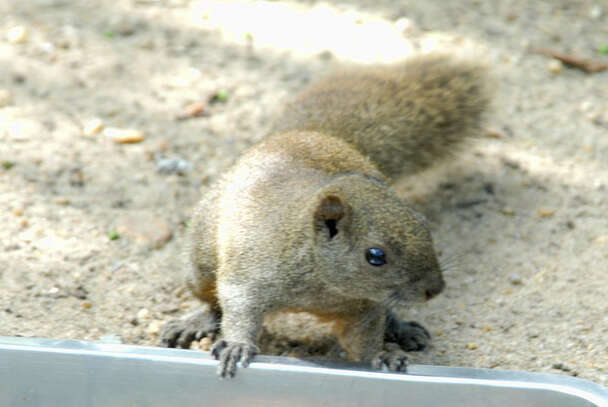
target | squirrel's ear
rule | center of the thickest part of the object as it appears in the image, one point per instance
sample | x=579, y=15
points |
x=331, y=216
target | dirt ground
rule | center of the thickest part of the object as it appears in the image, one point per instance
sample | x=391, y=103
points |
x=92, y=230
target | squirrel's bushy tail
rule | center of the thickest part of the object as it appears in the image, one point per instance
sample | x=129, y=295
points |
x=404, y=117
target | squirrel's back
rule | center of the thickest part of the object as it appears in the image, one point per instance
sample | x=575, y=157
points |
x=404, y=117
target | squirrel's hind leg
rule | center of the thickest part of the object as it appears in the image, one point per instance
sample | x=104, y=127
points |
x=205, y=322
x=201, y=281
x=361, y=335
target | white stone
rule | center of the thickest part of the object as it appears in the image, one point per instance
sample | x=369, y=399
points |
x=17, y=35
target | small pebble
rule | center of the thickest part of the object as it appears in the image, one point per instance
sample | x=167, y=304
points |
x=560, y=366
x=172, y=165
x=593, y=116
x=586, y=106
x=123, y=25
x=205, y=343
x=53, y=290
x=169, y=309
x=146, y=43
x=471, y=346
x=195, y=109
x=143, y=314
x=124, y=136
x=515, y=279
x=79, y=292
x=92, y=127
x=546, y=212
x=507, y=211
x=47, y=47
x=17, y=35
x=154, y=327
x=86, y=305
x=5, y=97
x=595, y=12
x=179, y=292
x=494, y=133
x=404, y=25
x=555, y=66
x=602, y=240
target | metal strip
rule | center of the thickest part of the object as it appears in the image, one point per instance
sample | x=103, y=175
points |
x=48, y=372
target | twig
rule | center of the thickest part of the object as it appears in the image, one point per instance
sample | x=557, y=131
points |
x=587, y=65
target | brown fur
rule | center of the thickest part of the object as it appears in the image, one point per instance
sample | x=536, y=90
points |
x=403, y=117
x=288, y=227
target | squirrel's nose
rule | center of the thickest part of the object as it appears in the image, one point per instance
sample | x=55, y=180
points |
x=433, y=291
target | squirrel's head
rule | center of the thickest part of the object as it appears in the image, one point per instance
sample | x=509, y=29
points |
x=370, y=245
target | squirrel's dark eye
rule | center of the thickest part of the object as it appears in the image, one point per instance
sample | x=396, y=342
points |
x=375, y=256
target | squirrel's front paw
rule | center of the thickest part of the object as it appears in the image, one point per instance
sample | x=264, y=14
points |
x=410, y=335
x=180, y=333
x=229, y=353
x=393, y=358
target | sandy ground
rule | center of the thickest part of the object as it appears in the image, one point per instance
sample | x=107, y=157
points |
x=91, y=231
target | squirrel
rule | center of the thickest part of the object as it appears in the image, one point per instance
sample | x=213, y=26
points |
x=307, y=221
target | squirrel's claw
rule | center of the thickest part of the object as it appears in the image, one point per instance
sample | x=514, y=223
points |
x=394, y=359
x=180, y=333
x=410, y=335
x=413, y=336
x=229, y=353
